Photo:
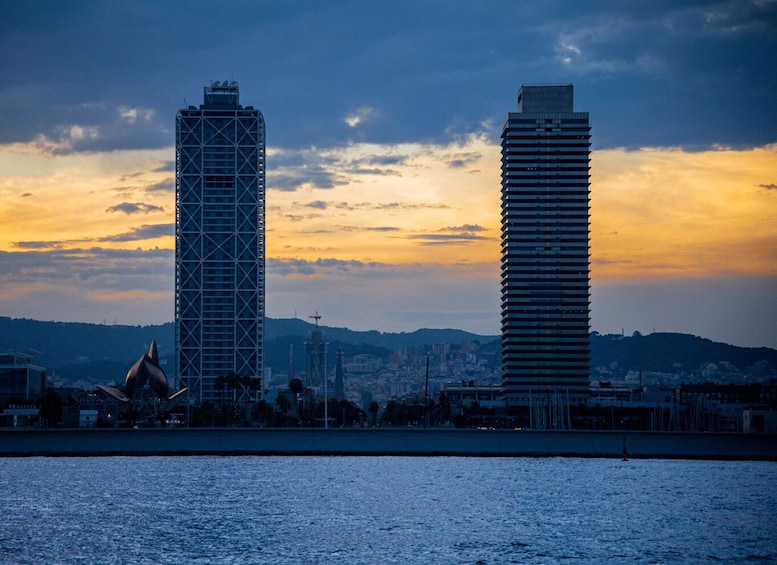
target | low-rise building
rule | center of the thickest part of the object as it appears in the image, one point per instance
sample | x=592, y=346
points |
x=20, y=380
x=15, y=416
x=466, y=394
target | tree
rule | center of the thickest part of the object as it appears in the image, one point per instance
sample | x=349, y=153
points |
x=373, y=410
x=389, y=413
x=445, y=407
x=344, y=413
x=50, y=406
x=262, y=412
x=283, y=403
x=131, y=416
x=202, y=416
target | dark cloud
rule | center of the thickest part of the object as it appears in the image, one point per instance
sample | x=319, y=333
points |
x=317, y=204
x=290, y=170
x=318, y=177
x=388, y=206
x=651, y=74
x=141, y=233
x=374, y=165
x=771, y=186
x=166, y=167
x=89, y=268
x=374, y=171
x=167, y=185
x=152, y=231
x=135, y=208
x=384, y=160
x=89, y=284
x=462, y=160
x=408, y=206
x=132, y=175
x=26, y=194
x=447, y=239
x=94, y=129
x=288, y=267
x=33, y=245
x=346, y=228
x=470, y=228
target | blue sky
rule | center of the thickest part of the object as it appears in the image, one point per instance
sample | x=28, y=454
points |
x=383, y=119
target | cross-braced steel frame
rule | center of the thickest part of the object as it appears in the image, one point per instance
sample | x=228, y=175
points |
x=220, y=249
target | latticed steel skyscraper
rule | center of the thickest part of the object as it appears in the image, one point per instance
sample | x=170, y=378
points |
x=220, y=241
x=545, y=248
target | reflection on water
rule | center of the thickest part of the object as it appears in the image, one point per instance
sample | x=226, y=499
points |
x=384, y=510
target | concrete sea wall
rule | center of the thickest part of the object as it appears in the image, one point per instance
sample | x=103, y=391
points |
x=386, y=441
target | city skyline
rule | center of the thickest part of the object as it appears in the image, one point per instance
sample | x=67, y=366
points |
x=383, y=157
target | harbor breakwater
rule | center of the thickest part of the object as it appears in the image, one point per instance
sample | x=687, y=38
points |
x=387, y=441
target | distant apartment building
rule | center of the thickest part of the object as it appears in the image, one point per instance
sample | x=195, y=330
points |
x=220, y=241
x=545, y=247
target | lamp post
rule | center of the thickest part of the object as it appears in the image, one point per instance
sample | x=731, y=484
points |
x=326, y=391
x=426, y=395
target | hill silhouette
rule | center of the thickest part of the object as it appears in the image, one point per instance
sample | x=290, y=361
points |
x=104, y=353
x=675, y=352
x=92, y=351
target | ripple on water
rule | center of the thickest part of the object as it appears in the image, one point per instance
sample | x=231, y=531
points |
x=384, y=510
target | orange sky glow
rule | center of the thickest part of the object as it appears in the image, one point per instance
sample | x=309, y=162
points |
x=656, y=213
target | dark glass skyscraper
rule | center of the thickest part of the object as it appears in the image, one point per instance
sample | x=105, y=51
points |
x=220, y=245
x=545, y=247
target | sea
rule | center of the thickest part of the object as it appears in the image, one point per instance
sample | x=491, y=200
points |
x=310, y=510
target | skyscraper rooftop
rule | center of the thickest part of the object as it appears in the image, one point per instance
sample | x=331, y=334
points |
x=539, y=99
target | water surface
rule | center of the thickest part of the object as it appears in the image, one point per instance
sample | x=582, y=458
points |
x=385, y=510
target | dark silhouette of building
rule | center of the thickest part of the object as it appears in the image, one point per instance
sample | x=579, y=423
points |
x=292, y=371
x=315, y=356
x=339, y=383
x=545, y=247
x=220, y=241
x=145, y=371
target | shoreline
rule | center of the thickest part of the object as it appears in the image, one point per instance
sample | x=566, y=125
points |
x=387, y=442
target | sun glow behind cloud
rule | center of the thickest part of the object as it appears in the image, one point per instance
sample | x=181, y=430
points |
x=393, y=204
x=82, y=199
x=406, y=235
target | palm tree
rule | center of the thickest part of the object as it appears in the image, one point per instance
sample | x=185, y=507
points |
x=373, y=409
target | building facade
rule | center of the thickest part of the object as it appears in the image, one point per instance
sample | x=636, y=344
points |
x=220, y=242
x=20, y=380
x=545, y=248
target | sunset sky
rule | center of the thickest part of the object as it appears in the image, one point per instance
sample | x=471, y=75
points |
x=383, y=160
